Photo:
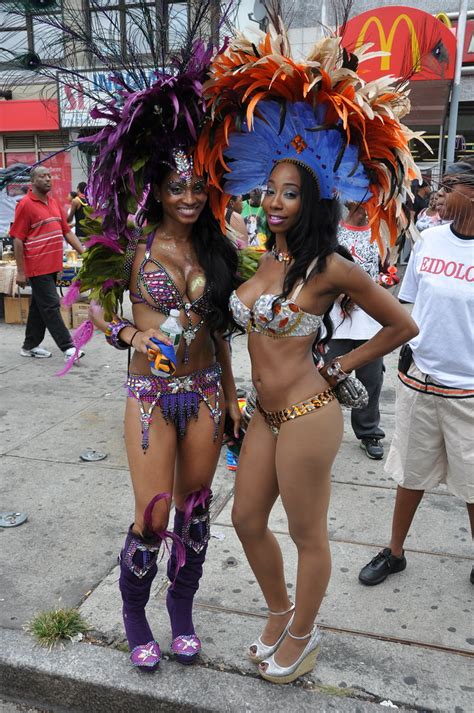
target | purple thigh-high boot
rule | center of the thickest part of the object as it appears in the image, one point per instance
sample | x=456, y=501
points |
x=192, y=526
x=138, y=568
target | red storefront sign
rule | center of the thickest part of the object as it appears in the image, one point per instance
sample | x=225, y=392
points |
x=29, y=115
x=34, y=116
x=418, y=45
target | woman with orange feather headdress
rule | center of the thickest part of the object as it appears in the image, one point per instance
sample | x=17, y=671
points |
x=367, y=116
x=313, y=133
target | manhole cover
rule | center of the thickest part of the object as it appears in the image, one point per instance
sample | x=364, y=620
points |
x=12, y=519
x=90, y=454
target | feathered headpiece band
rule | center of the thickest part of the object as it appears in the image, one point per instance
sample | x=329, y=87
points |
x=303, y=138
x=149, y=128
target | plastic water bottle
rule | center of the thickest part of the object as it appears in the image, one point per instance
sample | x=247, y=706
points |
x=173, y=329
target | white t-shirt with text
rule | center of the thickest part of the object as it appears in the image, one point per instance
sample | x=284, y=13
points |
x=439, y=281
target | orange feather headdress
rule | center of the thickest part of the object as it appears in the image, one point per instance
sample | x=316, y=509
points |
x=247, y=76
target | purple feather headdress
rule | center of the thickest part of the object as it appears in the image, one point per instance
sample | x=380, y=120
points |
x=146, y=128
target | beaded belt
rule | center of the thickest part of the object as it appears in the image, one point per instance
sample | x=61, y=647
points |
x=274, y=419
x=179, y=398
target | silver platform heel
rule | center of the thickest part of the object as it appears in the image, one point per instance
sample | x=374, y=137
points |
x=262, y=651
x=304, y=664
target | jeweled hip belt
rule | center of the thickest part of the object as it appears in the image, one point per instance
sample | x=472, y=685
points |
x=274, y=419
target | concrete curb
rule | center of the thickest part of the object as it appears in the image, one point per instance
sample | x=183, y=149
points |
x=84, y=677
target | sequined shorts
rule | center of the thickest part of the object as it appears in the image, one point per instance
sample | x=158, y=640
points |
x=179, y=398
x=274, y=419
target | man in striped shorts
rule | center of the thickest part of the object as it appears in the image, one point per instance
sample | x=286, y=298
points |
x=38, y=231
x=433, y=441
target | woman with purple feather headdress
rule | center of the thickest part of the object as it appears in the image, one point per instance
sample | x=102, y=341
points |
x=177, y=259
x=174, y=257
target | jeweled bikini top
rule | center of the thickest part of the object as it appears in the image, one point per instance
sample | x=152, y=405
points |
x=164, y=294
x=276, y=319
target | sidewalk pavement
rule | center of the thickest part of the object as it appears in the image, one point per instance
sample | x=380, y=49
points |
x=409, y=641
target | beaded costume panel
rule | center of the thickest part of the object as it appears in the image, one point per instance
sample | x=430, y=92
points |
x=179, y=398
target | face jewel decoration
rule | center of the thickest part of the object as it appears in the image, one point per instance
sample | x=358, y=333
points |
x=184, y=166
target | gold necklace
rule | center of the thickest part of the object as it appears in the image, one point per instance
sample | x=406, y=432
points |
x=280, y=257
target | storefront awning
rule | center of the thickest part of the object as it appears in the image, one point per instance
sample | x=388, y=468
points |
x=29, y=115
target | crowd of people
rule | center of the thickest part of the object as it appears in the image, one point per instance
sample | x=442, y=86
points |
x=318, y=324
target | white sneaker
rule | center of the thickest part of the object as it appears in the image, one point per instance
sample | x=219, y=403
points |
x=36, y=352
x=71, y=351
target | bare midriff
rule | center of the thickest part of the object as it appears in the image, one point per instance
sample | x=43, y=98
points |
x=283, y=370
x=202, y=352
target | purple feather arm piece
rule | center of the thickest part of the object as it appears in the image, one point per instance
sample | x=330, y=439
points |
x=80, y=337
x=110, y=284
x=72, y=294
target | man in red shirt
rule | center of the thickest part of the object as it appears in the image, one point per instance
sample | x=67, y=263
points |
x=38, y=231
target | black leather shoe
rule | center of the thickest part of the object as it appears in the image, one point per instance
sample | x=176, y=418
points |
x=372, y=447
x=381, y=566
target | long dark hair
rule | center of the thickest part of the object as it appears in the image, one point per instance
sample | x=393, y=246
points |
x=314, y=235
x=216, y=255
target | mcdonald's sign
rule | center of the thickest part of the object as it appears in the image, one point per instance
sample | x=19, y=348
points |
x=415, y=44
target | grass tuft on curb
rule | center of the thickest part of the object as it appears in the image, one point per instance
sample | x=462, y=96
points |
x=122, y=647
x=53, y=627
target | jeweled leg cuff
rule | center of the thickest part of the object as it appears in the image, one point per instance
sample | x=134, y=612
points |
x=192, y=525
x=196, y=530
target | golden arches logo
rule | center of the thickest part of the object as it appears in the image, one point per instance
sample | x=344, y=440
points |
x=442, y=17
x=387, y=42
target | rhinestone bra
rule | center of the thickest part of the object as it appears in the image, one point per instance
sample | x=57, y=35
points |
x=162, y=289
x=274, y=318
x=164, y=295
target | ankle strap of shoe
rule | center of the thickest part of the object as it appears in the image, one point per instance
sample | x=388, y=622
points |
x=281, y=613
x=300, y=638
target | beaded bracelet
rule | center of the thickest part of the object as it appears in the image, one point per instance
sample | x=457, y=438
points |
x=112, y=333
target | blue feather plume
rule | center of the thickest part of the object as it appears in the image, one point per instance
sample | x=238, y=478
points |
x=305, y=139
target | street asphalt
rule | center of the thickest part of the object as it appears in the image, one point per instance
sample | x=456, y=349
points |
x=407, y=643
